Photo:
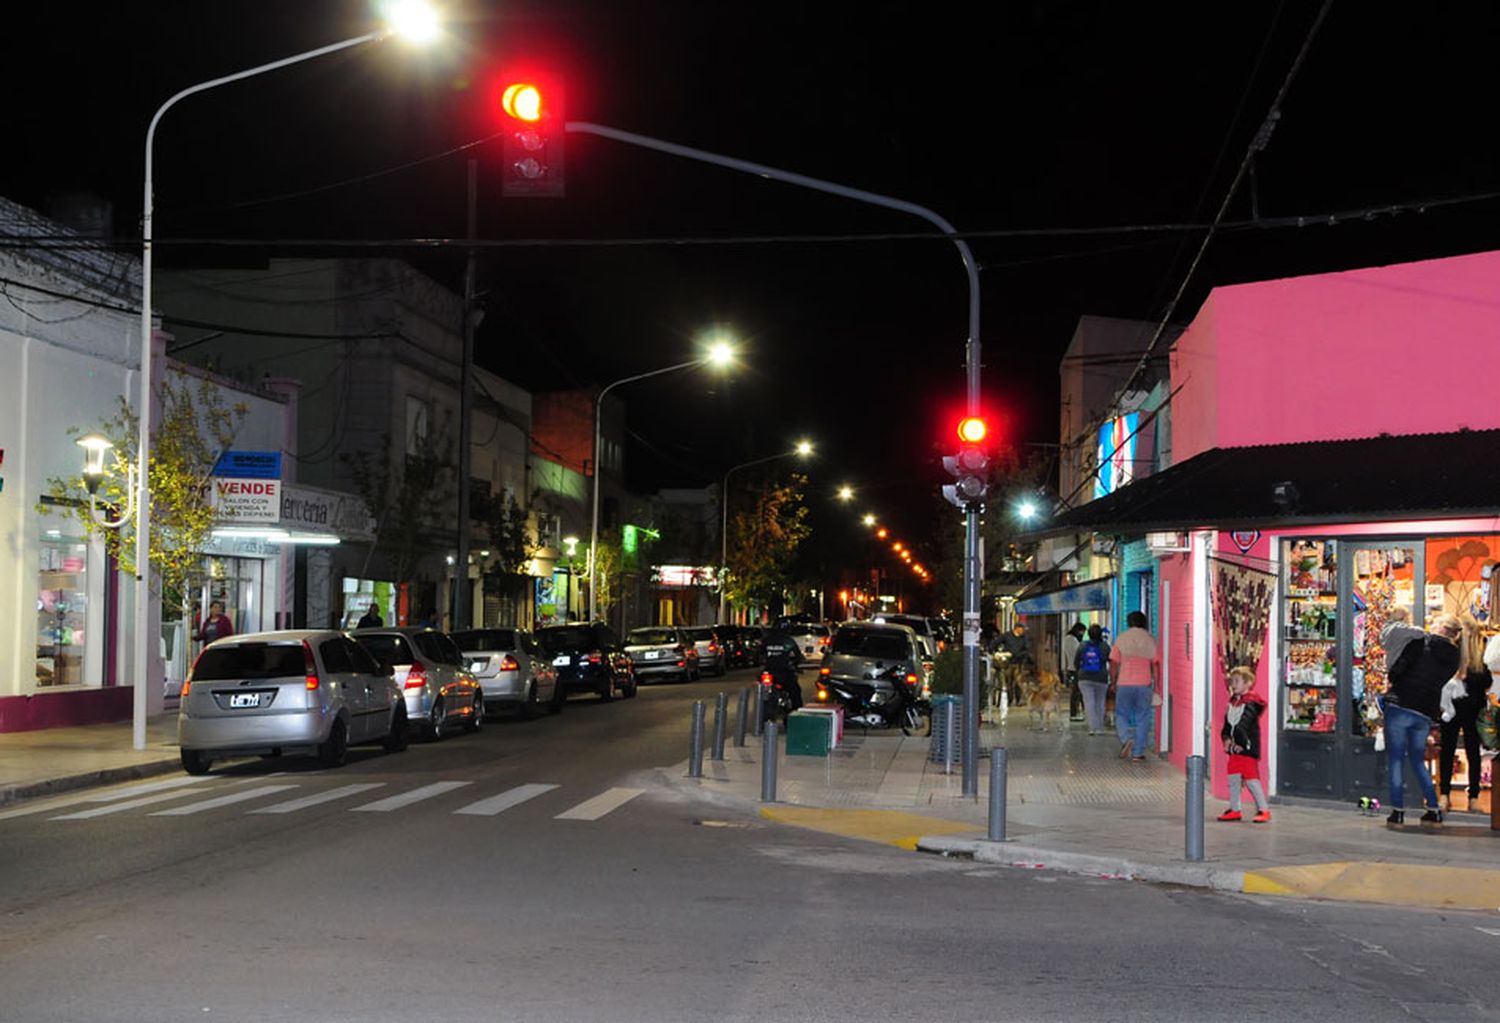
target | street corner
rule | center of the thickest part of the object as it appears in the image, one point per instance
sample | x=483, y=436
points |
x=1394, y=884
x=888, y=827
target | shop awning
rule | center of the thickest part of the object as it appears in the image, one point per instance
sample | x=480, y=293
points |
x=1372, y=479
x=1092, y=595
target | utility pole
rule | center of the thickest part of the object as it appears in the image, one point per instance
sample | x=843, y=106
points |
x=462, y=615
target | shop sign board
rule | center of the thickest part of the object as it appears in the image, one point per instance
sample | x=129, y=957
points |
x=249, y=465
x=310, y=509
x=246, y=501
x=1116, y=454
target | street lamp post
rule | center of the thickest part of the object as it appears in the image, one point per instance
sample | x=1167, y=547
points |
x=719, y=355
x=410, y=19
x=802, y=450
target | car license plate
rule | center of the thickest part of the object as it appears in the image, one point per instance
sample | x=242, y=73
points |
x=652, y=655
x=244, y=699
x=477, y=665
x=562, y=661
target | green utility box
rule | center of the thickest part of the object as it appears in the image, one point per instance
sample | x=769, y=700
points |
x=809, y=734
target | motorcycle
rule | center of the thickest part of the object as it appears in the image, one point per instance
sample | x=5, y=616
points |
x=884, y=699
x=780, y=694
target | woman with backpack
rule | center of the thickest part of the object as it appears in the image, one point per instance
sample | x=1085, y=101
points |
x=1092, y=664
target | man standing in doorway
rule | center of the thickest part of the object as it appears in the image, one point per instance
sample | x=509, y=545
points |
x=371, y=619
x=1134, y=669
x=218, y=625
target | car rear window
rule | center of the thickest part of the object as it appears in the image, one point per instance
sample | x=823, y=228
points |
x=653, y=636
x=567, y=637
x=250, y=660
x=486, y=640
x=701, y=634
x=871, y=643
x=387, y=648
x=437, y=647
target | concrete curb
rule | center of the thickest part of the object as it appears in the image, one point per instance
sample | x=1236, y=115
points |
x=1015, y=854
x=89, y=779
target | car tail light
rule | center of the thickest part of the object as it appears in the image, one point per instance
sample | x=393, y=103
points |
x=186, y=685
x=309, y=665
x=593, y=658
x=823, y=642
x=911, y=678
x=416, y=678
x=713, y=647
x=765, y=679
x=825, y=671
x=822, y=693
x=509, y=663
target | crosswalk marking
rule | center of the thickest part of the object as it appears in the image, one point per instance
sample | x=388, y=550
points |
x=293, y=805
x=605, y=802
x=150, y=786
x=129, y=804
x=214, y=804
x=437, y=788
x=46, y=806
x=505, y=800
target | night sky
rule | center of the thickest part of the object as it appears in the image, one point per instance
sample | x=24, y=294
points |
x=1033, y=116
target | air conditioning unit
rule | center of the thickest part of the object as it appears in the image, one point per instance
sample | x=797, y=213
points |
x=1168, y=543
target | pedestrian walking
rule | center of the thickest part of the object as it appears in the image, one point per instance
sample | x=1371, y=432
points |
x=1134, y=668
x=1068, y=666
x=1460, y=713
x=1015, y=649
x=370, y=619
x=1241, y=735
x=1411, y=706
x=1091, y=667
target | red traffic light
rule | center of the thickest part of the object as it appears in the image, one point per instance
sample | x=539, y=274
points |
x=523, y=101
x=972, y=430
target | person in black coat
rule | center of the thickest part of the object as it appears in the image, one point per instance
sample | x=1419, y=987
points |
x=1412, y=706
x=1241, y=736
x=1466, y=708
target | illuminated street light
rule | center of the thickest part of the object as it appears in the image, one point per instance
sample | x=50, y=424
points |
x=846, y=493
x=869, y=520
x=94, y=447
x=1026, y=510
x=880, y=534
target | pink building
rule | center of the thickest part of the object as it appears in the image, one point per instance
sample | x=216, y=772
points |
x=1331, y=439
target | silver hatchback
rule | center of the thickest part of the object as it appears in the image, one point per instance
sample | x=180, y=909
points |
x=276, y=692
x=513, y=671
x=433, y=675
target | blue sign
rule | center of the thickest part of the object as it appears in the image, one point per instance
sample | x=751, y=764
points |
x=1086, y=596
x=249, y=465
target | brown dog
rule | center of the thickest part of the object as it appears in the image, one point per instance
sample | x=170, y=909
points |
x=1043, y=692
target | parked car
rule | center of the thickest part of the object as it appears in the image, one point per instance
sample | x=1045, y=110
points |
x=589, y=658
x=513, y=671
x=868, y=655
x=279, y=692
x=755, y=643
x=433, y=675
x=662, y=651
x=811, y=638
x=738, y=650
x=917, y=624
x=713, y=657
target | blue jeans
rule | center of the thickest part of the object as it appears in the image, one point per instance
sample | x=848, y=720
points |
x=1094, y=694
x=1405, y=739
x=1133, y=717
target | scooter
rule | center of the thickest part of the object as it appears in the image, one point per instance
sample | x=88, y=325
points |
x=888, y=699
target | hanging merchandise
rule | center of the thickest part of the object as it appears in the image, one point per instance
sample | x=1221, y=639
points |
x=1242, y=614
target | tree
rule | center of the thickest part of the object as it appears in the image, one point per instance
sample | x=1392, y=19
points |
x=408, y=497
x=512, y=543
x=196, y=425
x=763, y=542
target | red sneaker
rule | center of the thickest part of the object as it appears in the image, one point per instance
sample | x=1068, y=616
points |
x=1230, y=815
x=1263, y=817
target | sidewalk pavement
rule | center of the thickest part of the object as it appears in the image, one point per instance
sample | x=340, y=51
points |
x=1072, y=804
x=52, y=760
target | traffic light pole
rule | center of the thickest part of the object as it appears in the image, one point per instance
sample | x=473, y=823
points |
x=971, y=367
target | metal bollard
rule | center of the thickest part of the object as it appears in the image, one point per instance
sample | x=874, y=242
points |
x=768, y=764
x=1195, y=778
x=950, y=734
x=997, y=794
x=742, y=718
x=760, y=710
x=721, y=708
x=695, y=753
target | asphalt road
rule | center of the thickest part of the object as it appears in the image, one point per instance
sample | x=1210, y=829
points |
x=612, y=897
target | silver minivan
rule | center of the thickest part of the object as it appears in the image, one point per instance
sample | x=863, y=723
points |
x=275, y=692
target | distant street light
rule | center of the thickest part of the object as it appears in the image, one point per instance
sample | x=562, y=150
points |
x=1026, y=510
x=846, y=493
x=803, y=449
x=408, y=18
x=719, y=354
x=868, y=520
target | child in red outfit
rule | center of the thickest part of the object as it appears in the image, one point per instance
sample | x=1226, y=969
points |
x=1241, y=735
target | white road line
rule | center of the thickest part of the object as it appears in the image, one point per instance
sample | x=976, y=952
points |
x=95, y=796
x=437, y=788
x=129, y=804
x=505, y=800
x=214, y=804
x=605, y=802
x=293, y=805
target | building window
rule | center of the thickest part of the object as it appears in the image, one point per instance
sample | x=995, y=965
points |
x=61, y=609
x=418, y=424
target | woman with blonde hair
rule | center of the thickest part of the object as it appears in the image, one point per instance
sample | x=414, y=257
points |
x=1462, y=713
x=1412, y=706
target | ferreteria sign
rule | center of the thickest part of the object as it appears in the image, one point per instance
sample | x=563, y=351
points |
x=246, y=501
x=309, y=509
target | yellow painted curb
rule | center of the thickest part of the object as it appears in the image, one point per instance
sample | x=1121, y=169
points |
x=889, y=827
x=1400, y=884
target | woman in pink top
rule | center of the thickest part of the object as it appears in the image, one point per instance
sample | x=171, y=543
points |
x=1134, y=667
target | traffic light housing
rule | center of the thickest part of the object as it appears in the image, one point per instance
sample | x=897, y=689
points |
x=531, y=139
x=970, y=468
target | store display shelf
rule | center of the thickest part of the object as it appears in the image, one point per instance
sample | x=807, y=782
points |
x=1312, y=594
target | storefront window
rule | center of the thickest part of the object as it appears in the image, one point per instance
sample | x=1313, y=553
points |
x=1460, y=577
x=1311, y=623
x=61, y=610
x=1384, y=580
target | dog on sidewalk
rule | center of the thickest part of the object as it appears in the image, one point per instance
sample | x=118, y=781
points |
x=1043, y=694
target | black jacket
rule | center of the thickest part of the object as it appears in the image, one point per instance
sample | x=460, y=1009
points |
x=1419, y=674
x=1246, y=734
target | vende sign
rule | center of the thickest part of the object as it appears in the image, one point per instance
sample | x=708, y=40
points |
x=247, y=500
